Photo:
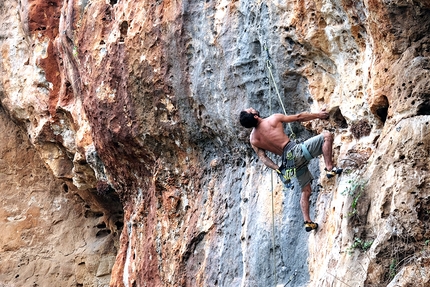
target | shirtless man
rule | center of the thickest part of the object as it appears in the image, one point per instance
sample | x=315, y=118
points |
x=268, y=135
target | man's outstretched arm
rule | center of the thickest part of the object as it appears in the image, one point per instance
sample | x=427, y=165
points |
x=302, y=117
x=264, y=158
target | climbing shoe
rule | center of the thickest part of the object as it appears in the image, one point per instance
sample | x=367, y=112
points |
x=331, y=173
x=309, y=226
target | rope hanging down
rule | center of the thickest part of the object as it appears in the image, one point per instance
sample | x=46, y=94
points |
x=271, y=78
x=292, y=136
x=273, y=216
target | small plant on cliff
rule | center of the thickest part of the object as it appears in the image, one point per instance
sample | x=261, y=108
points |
x=355, y=185
x=393, y=269
x=355, y=189
x=354, y=205
x=362, y=245
x=75, y=51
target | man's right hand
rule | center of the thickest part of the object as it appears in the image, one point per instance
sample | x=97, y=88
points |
x=281, y=172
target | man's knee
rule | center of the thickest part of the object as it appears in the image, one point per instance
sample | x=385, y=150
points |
x=306, y=190
x=327, y=136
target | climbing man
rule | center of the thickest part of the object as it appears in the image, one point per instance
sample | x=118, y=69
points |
x=268, y=135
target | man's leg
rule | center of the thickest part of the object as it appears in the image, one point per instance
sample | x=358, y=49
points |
x=304, y=205
x=304, y=202
x=327, y=149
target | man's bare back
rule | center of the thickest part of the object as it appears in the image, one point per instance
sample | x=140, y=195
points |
x=269, y=135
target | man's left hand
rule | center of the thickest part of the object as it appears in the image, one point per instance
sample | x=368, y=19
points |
x=323, y=114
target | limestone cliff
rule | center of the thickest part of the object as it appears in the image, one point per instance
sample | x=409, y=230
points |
x=123, y=162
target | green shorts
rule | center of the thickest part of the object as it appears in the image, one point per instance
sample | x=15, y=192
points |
x=314, y=146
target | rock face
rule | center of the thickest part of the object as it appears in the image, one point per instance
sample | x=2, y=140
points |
x=150, y=181
x=52, y=234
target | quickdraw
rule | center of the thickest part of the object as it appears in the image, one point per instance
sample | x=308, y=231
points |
x=290, y=169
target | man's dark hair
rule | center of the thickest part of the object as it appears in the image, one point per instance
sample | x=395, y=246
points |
x=247, y=120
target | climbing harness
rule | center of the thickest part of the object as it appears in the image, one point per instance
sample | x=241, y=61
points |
x=306, y=152
x=287, y=170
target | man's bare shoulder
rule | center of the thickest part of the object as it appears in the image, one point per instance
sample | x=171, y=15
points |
x=275, y=119
x=281, y=118
x=277, y=116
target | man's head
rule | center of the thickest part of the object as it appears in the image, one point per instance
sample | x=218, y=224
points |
x=249, y=118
